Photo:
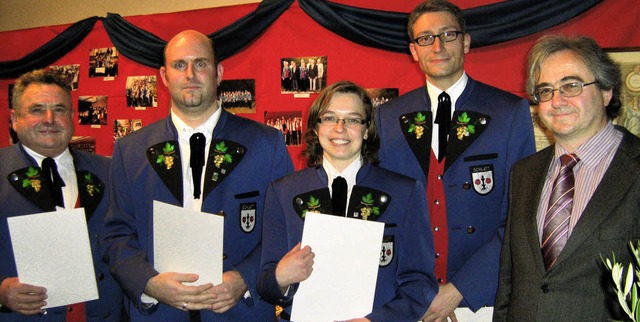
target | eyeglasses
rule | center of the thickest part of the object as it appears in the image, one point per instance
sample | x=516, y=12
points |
x=447, y=36
x=348, y=122
x=545, y=93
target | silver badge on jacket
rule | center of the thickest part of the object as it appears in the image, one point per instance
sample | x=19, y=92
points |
x=482, y=177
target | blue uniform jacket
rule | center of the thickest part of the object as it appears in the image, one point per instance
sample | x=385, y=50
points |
x=405, y=285
x=18, y=201
x=146, y=166
x=499, y=131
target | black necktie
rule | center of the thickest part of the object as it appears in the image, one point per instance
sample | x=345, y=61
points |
x=196, y=160
x=52, y=177
x=443, y=119
x=339, y=196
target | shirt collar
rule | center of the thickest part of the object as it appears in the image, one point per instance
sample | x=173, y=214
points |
x=185, y=131
x=455, y=91
x=64, y=161
x=596, y=148
x=349, y=173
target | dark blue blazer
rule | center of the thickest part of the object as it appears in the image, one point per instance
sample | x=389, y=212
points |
x=405, y=285
x=16, y=200
x=502, y=134
x=250, y=154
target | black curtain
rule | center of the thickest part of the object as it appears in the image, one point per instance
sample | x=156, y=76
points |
x=49, y=52
x=488, y=25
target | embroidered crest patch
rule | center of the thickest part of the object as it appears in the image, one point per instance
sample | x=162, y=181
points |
x=482, y=177
x=387, y=250
x=248, y=216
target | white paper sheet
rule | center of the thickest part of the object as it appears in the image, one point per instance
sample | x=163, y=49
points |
x=52, y=250
x=484, y=314
x=187, y=241
x=343, y=282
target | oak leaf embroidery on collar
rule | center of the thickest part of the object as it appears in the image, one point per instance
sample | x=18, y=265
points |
x=418, y=125
x=32, y=180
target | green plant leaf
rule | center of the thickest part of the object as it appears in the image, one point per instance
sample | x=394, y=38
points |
x=464, y=118
x=221, y=147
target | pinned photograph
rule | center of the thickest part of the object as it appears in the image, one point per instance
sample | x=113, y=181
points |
x=69, y=72
x=84, y=143
x=289, y=123
x=380, y=96
x=303, y=74
x=92, y=110
x=103, y=62
x=123, y=127
x=142, y=91
x=238, y=95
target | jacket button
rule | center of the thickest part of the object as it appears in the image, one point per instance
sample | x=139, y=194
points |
x=545, y=288
x=437, y=202
x=437, y=255
x=439, y=279
x=466, y=186
x=439, y=177
x=436, y=228
x=471, y=230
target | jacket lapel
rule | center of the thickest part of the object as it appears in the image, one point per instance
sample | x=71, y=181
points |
x=619, y=177
x=416, y=127
x=90, y=191
x=30, y=183
x=536, y=180
x=164, y=158
x=224, y=156
x=466, y=127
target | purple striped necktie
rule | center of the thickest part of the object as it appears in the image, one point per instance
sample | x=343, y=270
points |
x=556, y=221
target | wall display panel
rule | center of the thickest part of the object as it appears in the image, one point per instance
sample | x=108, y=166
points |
x=295, y=34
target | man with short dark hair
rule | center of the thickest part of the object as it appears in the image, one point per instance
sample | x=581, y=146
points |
x=459, y=137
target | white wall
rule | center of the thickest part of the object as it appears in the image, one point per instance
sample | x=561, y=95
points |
x=23, y=14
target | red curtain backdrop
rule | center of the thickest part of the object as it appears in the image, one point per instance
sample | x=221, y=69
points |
x=613, y=23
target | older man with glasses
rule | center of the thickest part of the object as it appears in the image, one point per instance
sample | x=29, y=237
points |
x=459, y=137
x=576, y=201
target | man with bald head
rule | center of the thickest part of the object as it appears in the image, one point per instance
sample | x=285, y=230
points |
x=155, y=163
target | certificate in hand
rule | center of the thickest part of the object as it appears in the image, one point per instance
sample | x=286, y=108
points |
x=345, y=270
x=187, y=241
x=52, y=250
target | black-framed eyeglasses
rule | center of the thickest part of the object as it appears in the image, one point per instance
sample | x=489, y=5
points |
x=332, y=121
x=428, y=40
x=545, y=93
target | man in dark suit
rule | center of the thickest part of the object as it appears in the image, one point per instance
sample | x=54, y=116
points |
x=465, y=168
x=576, y=201
x=42, y=116
x=153, y=163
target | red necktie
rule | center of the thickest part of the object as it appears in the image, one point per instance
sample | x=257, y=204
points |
x=555, y=232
